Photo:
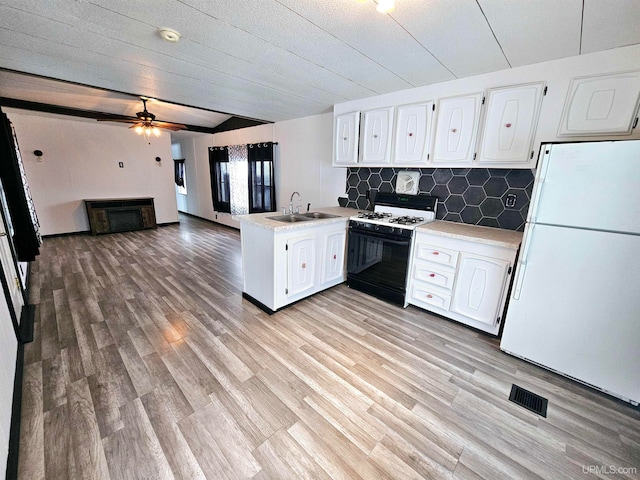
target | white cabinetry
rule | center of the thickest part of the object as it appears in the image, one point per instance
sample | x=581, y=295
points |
x=412, y=134
x=346, y=139
x=456, y=130
x=375, y=139
x=283, y=266
x=510, y=121
x=601, y=105
x=464, y=280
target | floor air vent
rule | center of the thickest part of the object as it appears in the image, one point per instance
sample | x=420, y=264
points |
x=529, y=400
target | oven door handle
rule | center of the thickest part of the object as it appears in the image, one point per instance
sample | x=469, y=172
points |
x=382, y=236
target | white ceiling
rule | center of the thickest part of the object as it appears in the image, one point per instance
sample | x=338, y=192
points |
x=281, y=59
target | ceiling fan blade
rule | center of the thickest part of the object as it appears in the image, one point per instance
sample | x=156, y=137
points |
x=170, y=126
x=121, y=120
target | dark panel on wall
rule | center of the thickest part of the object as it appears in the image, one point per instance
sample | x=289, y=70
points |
x=478, y=196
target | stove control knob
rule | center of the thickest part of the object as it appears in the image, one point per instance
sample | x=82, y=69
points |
x=376, y=227
x=392, y=230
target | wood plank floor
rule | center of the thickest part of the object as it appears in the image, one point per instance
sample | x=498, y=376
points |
x=147, y=363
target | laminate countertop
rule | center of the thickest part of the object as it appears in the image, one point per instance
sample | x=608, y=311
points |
x=263, y=220
x=476, y=233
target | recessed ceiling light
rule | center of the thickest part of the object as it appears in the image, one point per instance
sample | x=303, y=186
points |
x=169, y=34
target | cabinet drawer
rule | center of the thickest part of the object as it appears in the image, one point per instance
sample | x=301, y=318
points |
x=425, y=272
x=435, y=254
x=425, y=295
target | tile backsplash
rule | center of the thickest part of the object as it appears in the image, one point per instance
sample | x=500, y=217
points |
x=469, y=195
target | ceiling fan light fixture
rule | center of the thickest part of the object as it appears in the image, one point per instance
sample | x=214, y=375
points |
x=156, y=131
x=138, y=129
x=169, y=34
x=385, y=6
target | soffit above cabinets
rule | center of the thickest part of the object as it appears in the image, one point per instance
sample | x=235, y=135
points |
x=281, y=59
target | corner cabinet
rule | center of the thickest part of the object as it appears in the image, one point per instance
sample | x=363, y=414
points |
x=286, y=265
x=510, y=121
x=346, y=135
x=464, y=280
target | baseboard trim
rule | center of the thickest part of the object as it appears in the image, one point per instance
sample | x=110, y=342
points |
x=27, y=318
x=16, y=410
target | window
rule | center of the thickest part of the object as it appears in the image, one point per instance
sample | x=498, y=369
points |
x=242, y=178
x=180, y=176
x=262, y=191
x=219, y=169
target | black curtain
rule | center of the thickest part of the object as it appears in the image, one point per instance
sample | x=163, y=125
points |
x=262, y=190
x=26, y=236
x=178, y=166
x=219, y=171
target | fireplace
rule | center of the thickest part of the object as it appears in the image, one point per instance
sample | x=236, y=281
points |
x=120, y=215
x=124, y=220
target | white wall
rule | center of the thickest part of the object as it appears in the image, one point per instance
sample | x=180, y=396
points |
x=557, y=74
x=303, y=164
x=80, y=161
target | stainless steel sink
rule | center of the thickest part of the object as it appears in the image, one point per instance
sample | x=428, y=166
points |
x=290, y=218
x=318, y=215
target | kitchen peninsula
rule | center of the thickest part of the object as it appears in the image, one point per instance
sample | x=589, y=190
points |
x=283, y=262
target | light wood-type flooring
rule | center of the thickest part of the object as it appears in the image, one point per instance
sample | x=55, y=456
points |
x=147, y=363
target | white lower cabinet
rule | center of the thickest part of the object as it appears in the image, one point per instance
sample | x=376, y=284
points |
x=283, y=266
x=463, y=280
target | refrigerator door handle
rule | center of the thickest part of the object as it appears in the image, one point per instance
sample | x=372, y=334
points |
x=522, y=267
x=533, y=207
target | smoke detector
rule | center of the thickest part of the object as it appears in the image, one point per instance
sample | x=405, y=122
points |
x=169, y=34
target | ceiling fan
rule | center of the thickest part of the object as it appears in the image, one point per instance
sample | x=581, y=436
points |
x=145, y=123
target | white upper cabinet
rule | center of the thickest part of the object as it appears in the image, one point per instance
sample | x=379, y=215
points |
x=456, y=129
x=346, y=139
x=509, y=126
x=375, y=138
x=601, y=105
x=412, y=134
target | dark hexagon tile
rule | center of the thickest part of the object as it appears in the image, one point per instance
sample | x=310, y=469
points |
x=474, y=195
x=441, y=212
x=455, y=203
x=458, y=184
x=375, y=170
x=489, y=222
x=363, y=173
x=353, y=179
x=529, y=190
x=353, y=194
x=363, y=187
x=453, y=217
x=362, y=203
x=477, y=176
x=518, y=178
x=495, y=187
x=386, y=187
x=521, y=198
x=442, y=175
x=375, y=180
x=491, y=207
x=460, y=171
x=510, y=219
x=471, y=215
x=427, y=171
x=440, y=191
x=500, y=172
x=387, y=173
x=426, y=183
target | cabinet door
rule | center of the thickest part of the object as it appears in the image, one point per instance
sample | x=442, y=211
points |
x=601, y=105
x=479, y=289
x=375, y=141
x=346, y=138
x=509, y=125
x=412, y=134
x=300, y=264
x=333, y=247
x=456, y=129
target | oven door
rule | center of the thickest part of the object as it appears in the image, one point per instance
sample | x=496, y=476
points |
x=377, y=264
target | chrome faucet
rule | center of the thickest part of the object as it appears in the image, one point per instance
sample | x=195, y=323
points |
x=291, y=202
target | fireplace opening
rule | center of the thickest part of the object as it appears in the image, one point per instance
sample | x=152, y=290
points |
x=125, y=220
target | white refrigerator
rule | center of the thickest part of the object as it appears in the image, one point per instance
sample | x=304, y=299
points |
x=575, y=302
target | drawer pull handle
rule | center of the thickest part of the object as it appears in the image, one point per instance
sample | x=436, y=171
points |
x=335, y=256
x=304, y=265
x=432, y=275
x=429, y=295
x=436, y=253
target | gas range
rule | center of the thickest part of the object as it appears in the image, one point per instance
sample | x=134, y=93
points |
x=397, y=214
